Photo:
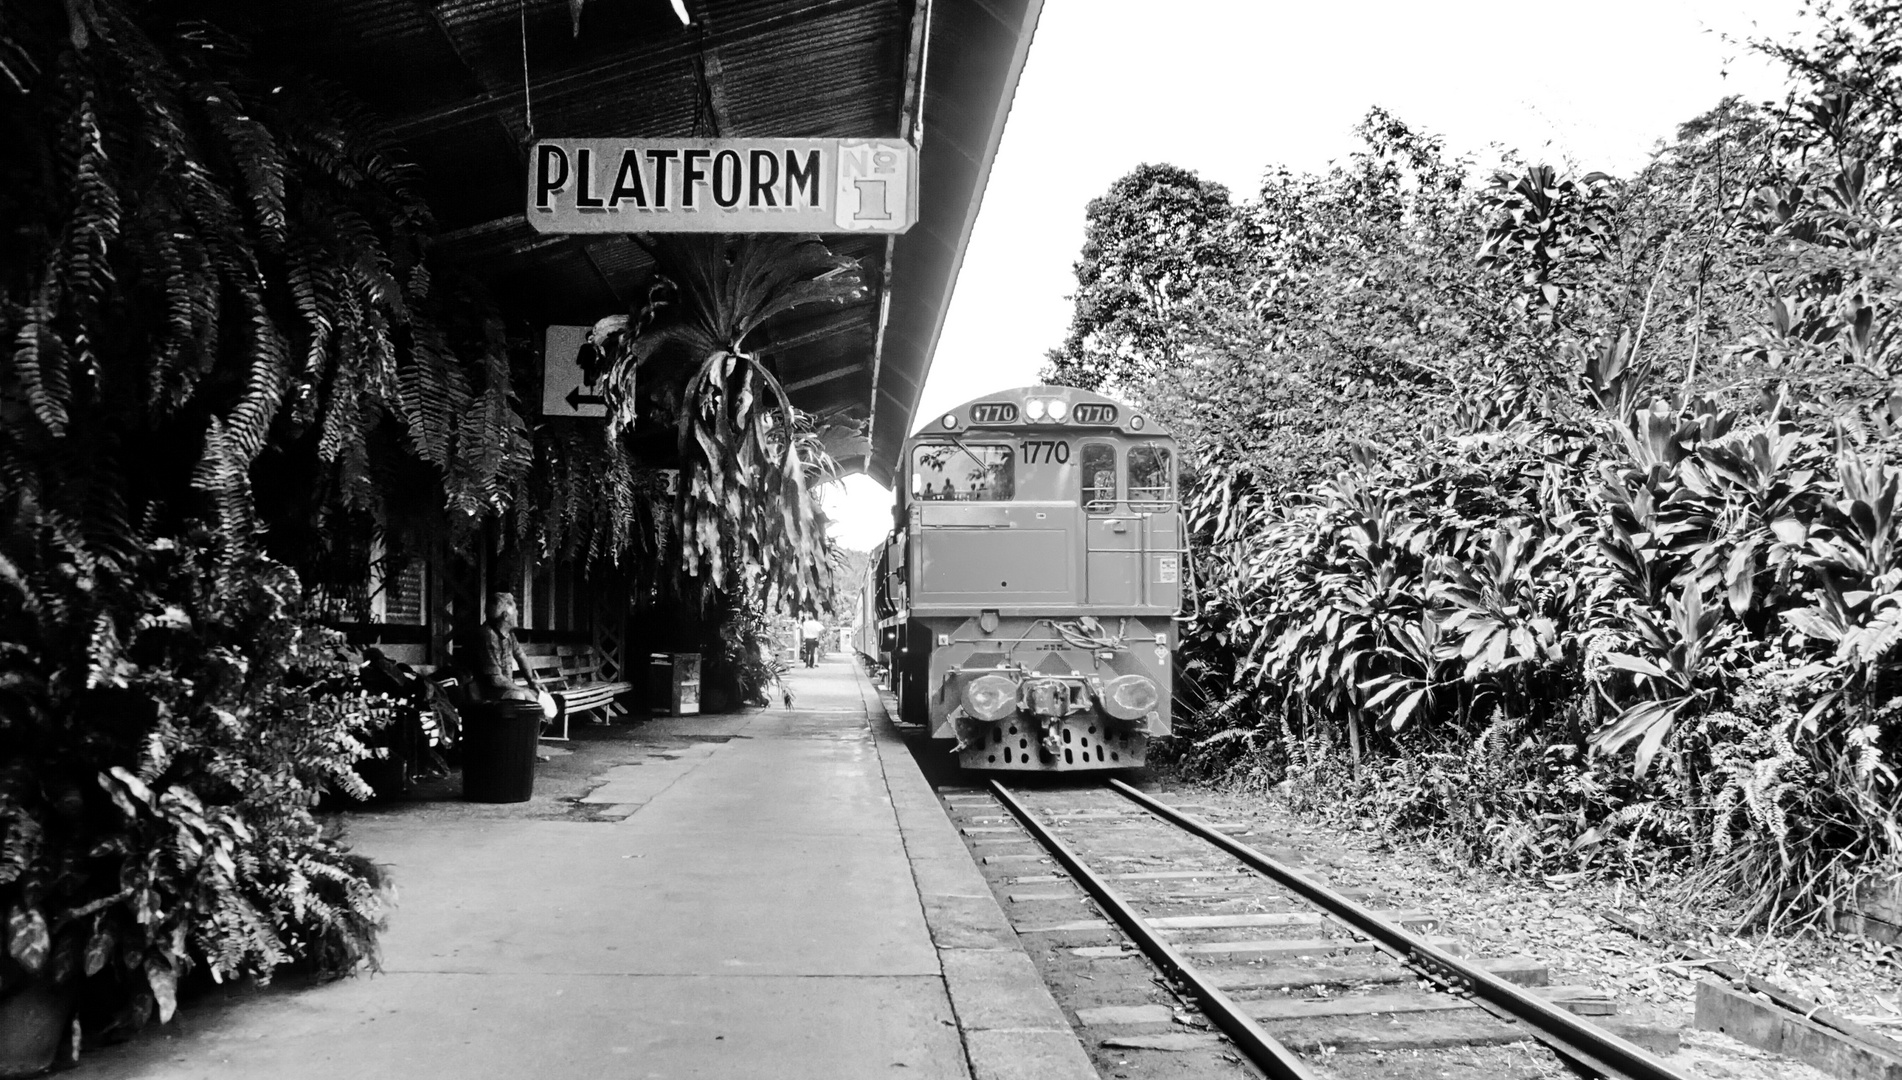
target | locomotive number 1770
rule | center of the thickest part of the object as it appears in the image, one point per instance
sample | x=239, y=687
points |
x=1039, y=645
x=1046, y=451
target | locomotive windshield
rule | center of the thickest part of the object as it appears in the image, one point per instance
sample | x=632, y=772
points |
x=963, y=472
x=1098, y=476
x=1152, y=477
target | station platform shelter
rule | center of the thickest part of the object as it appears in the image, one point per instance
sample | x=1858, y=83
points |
x=467, y=90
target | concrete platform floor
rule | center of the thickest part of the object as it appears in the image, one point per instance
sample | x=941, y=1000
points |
x=770, y=894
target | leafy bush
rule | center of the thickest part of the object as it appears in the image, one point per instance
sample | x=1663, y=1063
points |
x=742, y=666
x=158, y=780
x=1474, y=630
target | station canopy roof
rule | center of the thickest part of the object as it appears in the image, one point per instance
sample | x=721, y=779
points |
x=447, y=77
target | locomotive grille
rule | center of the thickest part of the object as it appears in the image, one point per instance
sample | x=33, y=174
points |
x=1085, y=743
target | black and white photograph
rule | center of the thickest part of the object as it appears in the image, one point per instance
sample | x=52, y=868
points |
x=950, y=540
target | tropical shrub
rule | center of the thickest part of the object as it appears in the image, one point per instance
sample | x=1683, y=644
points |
x=1626, y=593
x=742, y=662
x=1637, y=602
x=155, y=799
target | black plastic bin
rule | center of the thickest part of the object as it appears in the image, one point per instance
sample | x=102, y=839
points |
x=498, y=751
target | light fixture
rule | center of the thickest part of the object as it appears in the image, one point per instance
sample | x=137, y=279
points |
x=1034, y=408
x=1059, y=409
x=949, y=421
x=989, y=697
x=1136, y=422
x=1130, y=697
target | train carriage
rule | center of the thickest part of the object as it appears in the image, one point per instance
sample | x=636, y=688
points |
x=1027, y=599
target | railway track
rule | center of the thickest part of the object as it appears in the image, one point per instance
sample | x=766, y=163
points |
x=1192, y=931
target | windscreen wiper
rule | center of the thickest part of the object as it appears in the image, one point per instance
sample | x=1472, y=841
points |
x=968, y=452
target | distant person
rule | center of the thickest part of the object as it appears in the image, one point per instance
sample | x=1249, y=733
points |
x=812, y=634
x=493, y=652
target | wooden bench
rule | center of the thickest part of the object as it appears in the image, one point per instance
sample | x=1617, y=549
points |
x=572, y=675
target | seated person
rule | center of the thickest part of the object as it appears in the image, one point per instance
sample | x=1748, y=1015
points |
x=492, y=651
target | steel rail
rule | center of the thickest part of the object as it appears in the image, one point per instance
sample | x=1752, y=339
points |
x=1590, y=1046
x=1274, y=1059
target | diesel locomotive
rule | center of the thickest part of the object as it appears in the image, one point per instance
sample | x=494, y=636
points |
x=1025, y=603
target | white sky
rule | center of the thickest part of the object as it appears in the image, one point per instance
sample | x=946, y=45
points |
x=1229, y=87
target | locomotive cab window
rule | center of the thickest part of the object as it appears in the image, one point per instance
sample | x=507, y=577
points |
x=963, y=472
x=1097, y=477
x=1152, y=478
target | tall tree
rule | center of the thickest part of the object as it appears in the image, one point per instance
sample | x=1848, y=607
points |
x=1157, y=246
x=1341, y=306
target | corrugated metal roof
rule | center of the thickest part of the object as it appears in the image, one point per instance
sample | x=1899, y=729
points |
x=447, y=75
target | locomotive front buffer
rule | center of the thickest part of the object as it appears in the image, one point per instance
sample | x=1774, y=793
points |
x=1049, y=693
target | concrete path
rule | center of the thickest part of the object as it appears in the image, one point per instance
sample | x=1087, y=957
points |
x=741, y=905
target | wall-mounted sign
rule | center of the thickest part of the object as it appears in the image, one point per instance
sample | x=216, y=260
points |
x=565, y=389
x=722, y=185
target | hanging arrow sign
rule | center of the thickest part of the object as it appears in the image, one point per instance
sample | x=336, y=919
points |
x=722, y=185
x=565, y=389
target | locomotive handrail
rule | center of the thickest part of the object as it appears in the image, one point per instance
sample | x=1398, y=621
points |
x=1142, y=558
x=1191, y=587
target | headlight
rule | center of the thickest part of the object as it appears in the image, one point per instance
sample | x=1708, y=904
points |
x=950, y=421
x=1130, y=697
x=1059, y=410
x=1034, y=408
x=990, y=697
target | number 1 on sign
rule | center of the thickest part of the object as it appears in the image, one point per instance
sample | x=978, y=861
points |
x=871, y=201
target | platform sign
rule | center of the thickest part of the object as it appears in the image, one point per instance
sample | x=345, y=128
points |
x=565, y=390
x=722, y=185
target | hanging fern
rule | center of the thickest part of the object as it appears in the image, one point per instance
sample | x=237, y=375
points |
x=746, y=511
x=214, y=308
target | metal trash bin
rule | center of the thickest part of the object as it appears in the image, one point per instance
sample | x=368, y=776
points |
x=673, y=683
x=499, y=739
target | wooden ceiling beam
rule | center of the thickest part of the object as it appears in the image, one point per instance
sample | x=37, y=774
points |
x=714, y=72
x=825, y=377
x=514, y=125
x=839, y=322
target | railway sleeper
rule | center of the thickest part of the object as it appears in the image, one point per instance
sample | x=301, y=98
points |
x=1266, y=949
x=1390, y=1003
x=1422, y=919
x=1522, y=970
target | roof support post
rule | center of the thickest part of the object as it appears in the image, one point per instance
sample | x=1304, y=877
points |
x=911, y=129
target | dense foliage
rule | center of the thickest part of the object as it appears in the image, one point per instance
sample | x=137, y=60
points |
x=154, y=812
x=227, y=367
x=210, y=277
x=1607, y=568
